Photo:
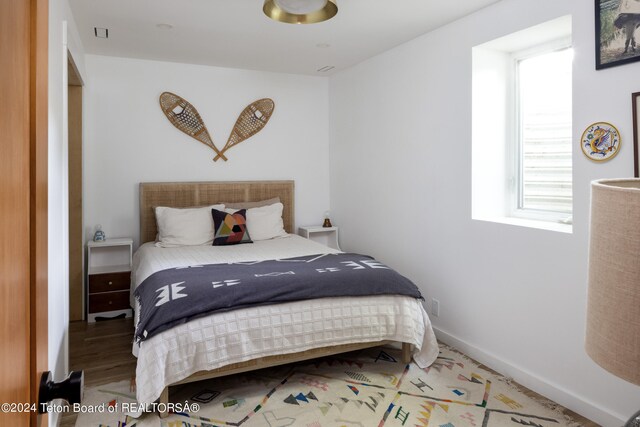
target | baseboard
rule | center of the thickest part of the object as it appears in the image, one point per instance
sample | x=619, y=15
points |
x=552, y=391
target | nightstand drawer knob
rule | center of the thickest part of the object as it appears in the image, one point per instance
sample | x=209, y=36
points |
x=110, y=302
x=111, y=283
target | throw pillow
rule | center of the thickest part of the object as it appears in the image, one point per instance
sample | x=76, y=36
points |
x=230, y=228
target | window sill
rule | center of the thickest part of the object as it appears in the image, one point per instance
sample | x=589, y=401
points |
x=530, y=223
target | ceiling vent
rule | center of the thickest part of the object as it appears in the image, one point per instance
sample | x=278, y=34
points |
x=101, y=33
x=325, y=68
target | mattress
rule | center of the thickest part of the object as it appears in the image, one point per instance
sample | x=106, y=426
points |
x=236, y=336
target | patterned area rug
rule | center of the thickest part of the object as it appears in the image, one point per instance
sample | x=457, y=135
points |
x=366, y=388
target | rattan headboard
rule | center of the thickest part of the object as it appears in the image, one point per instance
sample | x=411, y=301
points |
x=184, y=194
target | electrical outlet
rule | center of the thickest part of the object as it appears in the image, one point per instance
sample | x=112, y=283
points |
x=435, y=307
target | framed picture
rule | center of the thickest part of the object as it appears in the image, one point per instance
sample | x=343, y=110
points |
x=635, y=108
x=617, y=23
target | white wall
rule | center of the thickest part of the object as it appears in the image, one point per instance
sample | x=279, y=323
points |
x=128, y=139
x=63, y=37
x=492, y=106
x=513, y=297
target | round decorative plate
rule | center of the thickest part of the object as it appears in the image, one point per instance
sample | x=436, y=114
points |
x=600, y=141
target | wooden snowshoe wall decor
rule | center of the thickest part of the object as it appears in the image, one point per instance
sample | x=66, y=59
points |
x=186, y=118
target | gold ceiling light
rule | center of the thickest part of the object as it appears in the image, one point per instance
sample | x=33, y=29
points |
x=300, y=11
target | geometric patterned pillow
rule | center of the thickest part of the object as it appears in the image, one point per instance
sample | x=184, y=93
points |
x=230, y=229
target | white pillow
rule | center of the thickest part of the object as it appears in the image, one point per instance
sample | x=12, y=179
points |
x=185, y=227
x=265, y=222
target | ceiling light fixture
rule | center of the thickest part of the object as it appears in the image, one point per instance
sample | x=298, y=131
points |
x=300, y=11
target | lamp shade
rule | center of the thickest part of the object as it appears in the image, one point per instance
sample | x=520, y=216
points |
x=613, y=306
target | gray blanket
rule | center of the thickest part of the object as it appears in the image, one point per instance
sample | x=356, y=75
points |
x=174, y=296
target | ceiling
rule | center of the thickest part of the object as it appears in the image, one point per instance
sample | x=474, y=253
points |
x=235, y=33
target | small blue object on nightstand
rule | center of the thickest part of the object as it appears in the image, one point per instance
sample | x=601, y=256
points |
x=99, y=236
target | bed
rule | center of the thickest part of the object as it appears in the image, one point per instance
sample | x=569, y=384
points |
x=256, y=337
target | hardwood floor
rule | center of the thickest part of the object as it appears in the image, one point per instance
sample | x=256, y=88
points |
x=103, y=351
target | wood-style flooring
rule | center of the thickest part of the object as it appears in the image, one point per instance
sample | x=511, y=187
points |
x=103, y=351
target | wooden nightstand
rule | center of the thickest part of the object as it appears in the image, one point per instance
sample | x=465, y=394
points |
x=328, y=236
x=109, y=271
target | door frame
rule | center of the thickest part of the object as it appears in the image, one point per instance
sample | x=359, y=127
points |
x=75, y=135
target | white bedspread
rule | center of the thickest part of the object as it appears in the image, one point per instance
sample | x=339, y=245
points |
x=248, y=333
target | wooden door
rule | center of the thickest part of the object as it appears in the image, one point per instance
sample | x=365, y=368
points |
x=23, y=205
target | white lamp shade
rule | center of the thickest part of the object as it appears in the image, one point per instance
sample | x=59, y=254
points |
x=613, y=307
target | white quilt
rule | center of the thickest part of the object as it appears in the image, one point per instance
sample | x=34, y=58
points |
x=248, y=333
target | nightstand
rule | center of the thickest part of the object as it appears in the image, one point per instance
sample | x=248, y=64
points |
x=109, y=278
x=328, y=236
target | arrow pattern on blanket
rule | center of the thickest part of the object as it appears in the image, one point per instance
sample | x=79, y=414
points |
x=166, y=295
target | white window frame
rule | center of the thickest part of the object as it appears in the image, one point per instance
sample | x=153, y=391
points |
x=514, y=142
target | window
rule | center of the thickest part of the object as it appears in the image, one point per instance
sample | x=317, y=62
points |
x=522, y=128
x=543, y=181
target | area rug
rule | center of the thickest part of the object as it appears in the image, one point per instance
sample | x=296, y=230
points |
x=367, y=388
